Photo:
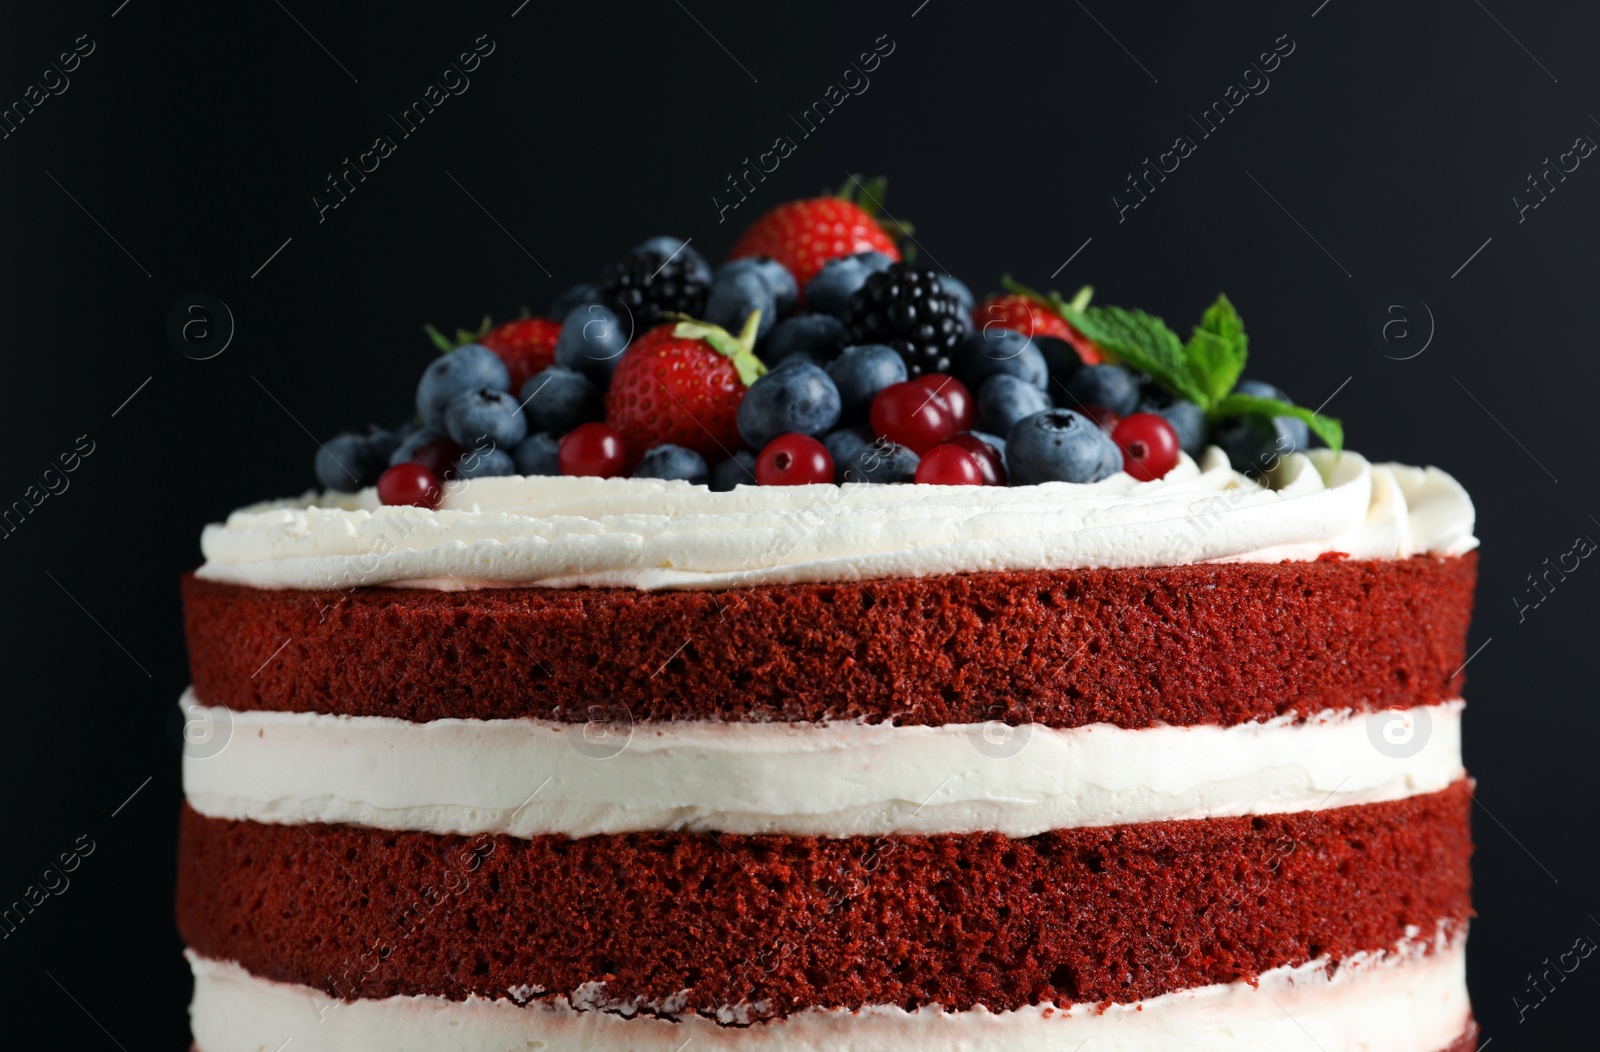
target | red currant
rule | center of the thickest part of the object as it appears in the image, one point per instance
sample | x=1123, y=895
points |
x=409, y=484
x=592, y=449
x=955, y=396
x=910, y=415
x=990, y=463
x=793, y=460
x=439, y=456
x=1149, y=445
x=947, y=464
x=1107, y=420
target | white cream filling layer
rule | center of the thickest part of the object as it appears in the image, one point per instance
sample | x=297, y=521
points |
x=529, y=777
x=652, y=534
x=1399, y=1001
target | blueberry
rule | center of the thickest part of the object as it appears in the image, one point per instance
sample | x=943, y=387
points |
x=818, y=335
x=411, y=443
x=485, y=463
x=776, y=276
x=735, y=293
x=1186, y=418
x=882, y=461
x=1005, y=399
x=536, y=455
x=469, y=367
x=668, y=461
x=575, y=297
x=1059, y=356
x=737, y=470
x=676, y=248
x=1059, y=445
x=352, y=460
x=559, y=399
x=1106, y=385
x=796, y=398
x=839, y=279
x=843, y=445
x=1255, y=444
x=592, y=339
x=995, y=351
x=860, y=373
x=1293, y=428
x=958, y=288
x=485, y=418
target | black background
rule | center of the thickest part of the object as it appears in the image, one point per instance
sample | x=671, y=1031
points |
x=1386, y=151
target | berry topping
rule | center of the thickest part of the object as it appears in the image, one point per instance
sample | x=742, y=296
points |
x=439, y=455
x=882, y=461
x=816, y=337
x=860, y=373
x=538, y=454
x=803, y=235
x=948, y=464
x=592, y=449
x=996, y=352
x=525, y=346
x=654, y=280
x=1059, y=445
x=682, y=384
x=738, y=292
x=954, y=394
x=485, y=419
x=1105, y=418
x=737, y=470
x=1022, y=314
x=673, y=462
x=1004, y=399
x=467, y=368
x=353, y=460
x=1109, y=385
x=794, y=460
x=910, y=415
x=986, y=450
x=592, y=341
x=830, y=291
x=909, y=309
x=409, y=484
x=484, y=461
x=797, y=397
x=559, y=399
x=1149, y=446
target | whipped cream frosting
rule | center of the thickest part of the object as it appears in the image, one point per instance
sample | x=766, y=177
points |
x=653, y=534
x=1402, y=1000
x=530, y=777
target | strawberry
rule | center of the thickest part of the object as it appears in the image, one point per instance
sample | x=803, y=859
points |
x=803, y=235
x=527, y=346
x=1034, y=315
x=682, y=383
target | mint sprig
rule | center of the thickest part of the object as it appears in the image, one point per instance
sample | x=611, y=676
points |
x=1204, y=370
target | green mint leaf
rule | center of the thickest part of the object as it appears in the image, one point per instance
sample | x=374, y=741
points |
x=1144, y=342
x=1217, y=350
x=1326, y=428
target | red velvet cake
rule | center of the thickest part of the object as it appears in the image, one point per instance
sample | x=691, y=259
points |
x=1156, y=746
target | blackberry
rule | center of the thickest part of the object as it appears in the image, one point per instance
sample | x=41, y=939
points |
x=648, y=282
x=910, y=309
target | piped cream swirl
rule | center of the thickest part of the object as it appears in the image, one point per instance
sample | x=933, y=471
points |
x=652, y=534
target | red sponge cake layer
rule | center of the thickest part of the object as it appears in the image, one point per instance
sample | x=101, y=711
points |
x=704, y=922
x=1180, y=645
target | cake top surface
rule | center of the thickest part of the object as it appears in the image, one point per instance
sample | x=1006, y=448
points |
x=653, y=533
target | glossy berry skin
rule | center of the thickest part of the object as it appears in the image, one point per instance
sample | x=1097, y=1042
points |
x=467, y=368
x=830, y=291
x=1105, y=418
x=1186, y=418
x=1109, y=385
x=1149, y=446
x=797, y=397
x=794, y=460
x=665, y=246
x=987, y=451
x=672, y=390
x=803, y=235
x=1001, y=352
x=817, y=336
x=673, y=462
x=409, y=485
x=525, y=346
x=955, y=396
x=592, y=449
x=1059, y=445
x=860, y=373
x=653, y=279
x=948, y=464
x=908, y=308
x=1004, y=399
x=910, y=415
x=958, y=288
x=1027, y=315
